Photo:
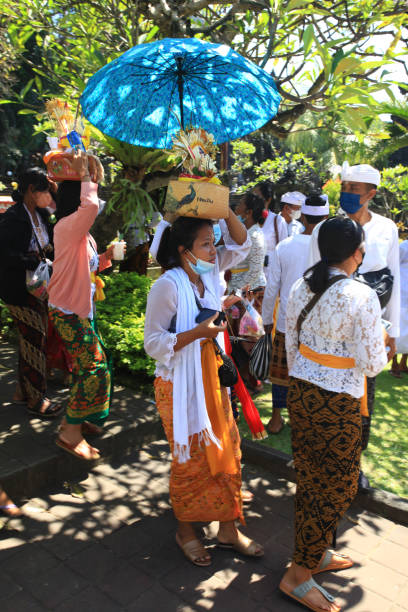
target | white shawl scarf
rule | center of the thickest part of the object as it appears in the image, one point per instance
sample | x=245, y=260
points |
x=189, y=409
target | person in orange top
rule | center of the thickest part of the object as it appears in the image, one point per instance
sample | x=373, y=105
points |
x=72, y=290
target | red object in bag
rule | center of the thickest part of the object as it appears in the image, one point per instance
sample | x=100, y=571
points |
x=249, y=409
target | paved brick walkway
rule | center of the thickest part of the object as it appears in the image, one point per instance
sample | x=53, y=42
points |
x=112, y=548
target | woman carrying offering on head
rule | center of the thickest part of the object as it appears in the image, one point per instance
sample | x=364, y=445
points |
x=334, y=339
x=72, y=291
x=205, y=480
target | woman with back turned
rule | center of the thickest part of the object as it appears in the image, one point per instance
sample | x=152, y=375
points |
x=334, y=339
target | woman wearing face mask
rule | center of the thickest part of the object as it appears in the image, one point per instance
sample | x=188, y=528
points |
x=25, y=238
x=205, y=480
x=73, y=289
x=250, y=271
x=334, y=339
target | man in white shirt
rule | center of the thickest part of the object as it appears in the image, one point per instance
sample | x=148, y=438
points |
x=358, y=188
x=289, y=262
x=291, y=203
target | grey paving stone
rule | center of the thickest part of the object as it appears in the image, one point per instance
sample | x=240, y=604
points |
x=94, y=563
x=8, y=586
x=29, y=561
x=55, y=586
x=21, y=602
x=126, y=583
x=10, y=544
x=90, y=599
x=161, y=599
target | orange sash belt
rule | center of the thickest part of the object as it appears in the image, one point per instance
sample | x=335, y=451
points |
x=99, y=285
x=220, y=460
x=340, y=363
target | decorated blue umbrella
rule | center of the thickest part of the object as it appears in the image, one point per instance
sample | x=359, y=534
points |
x=144, y=96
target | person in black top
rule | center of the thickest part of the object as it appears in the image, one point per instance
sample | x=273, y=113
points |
x=25, y=237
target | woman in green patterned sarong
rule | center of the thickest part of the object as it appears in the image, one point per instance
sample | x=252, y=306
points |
x=72, y=290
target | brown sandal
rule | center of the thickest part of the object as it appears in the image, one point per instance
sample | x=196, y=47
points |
x=327, y=565
x=251, y=549
x=193, y=551
x=73, y=449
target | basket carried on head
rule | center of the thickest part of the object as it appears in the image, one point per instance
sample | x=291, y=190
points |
x=59, y=159
x=198, y=192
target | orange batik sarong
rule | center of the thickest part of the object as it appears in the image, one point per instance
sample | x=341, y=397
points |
x=198, y=494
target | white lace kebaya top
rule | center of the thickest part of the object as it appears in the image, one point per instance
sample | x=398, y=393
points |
x=381, y=251
x=345, y=322
x=253, y=265
x=162, y=305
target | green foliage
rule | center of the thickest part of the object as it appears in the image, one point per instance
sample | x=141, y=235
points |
x=385, y=461
x=325, y=57
x=242, y=152
x=133, y=201
x=332, y=189
x=121, y=319
x=393, y=192
x=288, y=172
x=7, y=329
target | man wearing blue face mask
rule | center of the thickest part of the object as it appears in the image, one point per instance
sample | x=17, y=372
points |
x=380, y=268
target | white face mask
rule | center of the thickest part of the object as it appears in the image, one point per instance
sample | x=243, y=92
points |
x=295, y=214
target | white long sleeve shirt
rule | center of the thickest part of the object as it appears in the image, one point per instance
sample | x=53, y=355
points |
x=288, y=263
x=345, y=322
x=381, y=251
x=162, y=305
x=269, y=233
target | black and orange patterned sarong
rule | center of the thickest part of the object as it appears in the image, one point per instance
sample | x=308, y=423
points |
x=326, y=445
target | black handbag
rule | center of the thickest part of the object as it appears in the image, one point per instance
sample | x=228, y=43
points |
x=227, y=372
x=381, y=281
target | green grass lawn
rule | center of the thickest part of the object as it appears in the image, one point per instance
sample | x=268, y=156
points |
x=386, y=460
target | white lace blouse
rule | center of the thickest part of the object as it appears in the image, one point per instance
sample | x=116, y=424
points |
x=161, y=306
x=345, y=322
x=253, y=265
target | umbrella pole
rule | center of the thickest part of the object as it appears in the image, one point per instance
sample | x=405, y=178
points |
x=180, y=85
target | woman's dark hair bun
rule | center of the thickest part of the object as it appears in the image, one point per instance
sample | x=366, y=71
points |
x=36, y=177
x=183, y=232
x=339, y=237
x=257, y=205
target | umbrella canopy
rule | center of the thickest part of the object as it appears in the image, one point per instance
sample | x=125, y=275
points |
x=142, y=96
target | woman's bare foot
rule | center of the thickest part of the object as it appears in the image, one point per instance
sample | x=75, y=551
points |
x=297, y=575
x=228, y=534
x=276, y=422
x=7, y=506
x=18, y=394
x=185, y=534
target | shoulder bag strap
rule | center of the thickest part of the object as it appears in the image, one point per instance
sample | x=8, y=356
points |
x=40, y=249
x=310, y=305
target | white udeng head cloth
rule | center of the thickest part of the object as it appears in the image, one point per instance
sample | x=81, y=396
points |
x=317, y=211
x=293, y=197
x=362, y=173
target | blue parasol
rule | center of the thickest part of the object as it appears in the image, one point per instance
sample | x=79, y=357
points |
x=142, y=96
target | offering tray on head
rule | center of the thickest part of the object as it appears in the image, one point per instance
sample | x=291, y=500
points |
x=198, y=191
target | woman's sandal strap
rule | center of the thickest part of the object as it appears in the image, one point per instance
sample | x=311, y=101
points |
x=303, y=589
